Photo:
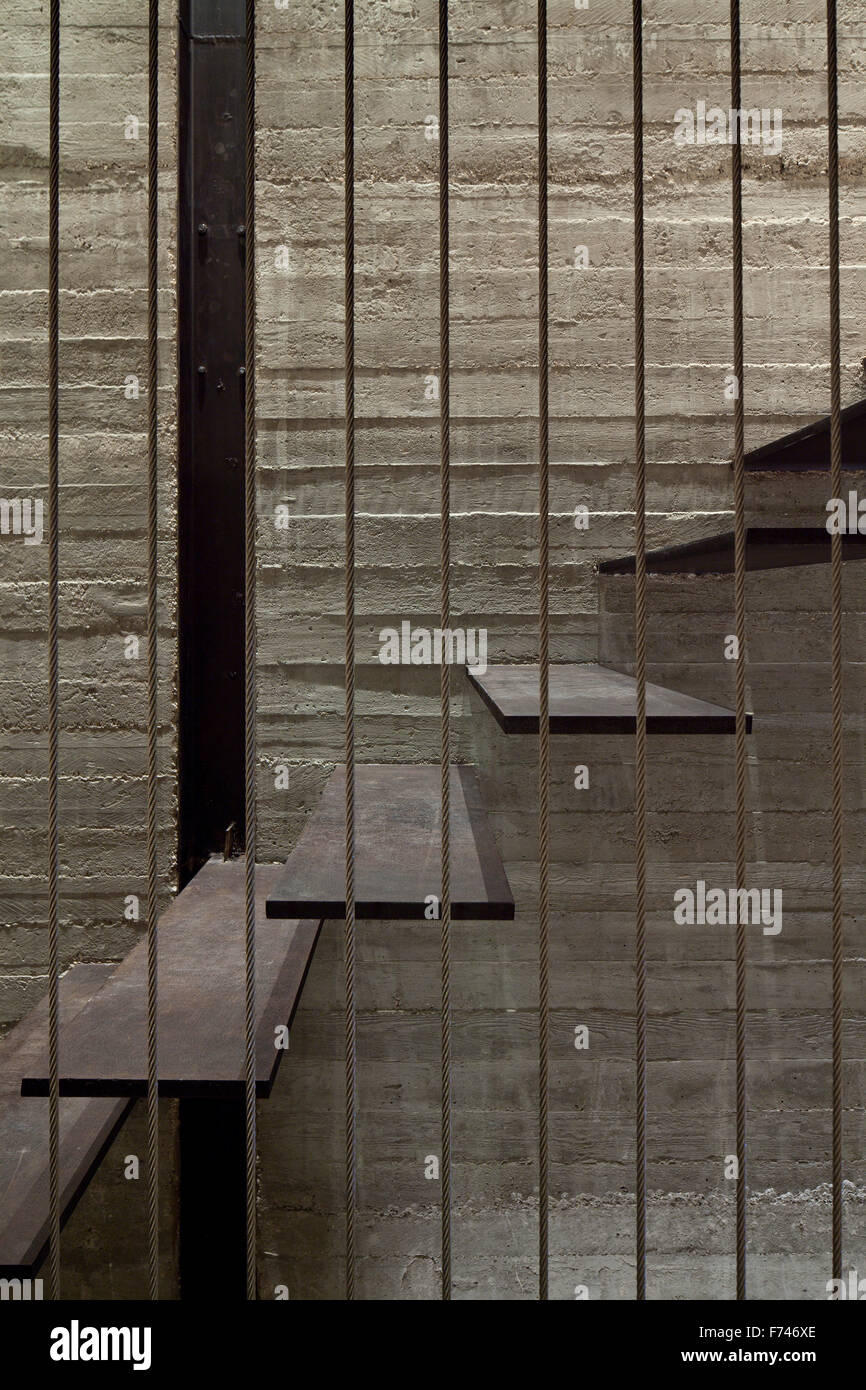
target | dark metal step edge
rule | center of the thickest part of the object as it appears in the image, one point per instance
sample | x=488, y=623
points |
x=795, y=453
x=767, y=547
x=561, y=725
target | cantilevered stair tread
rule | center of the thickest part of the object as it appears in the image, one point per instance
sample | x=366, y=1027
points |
x=87, y=1128
x=767, y=548
x=397, y=849
x=592, y=699
x=808, y=449
x=201, y=999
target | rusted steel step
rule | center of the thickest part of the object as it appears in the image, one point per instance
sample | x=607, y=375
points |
x=808, y=449
x=201, y=999
x=592, y=699
x=398, y=861
x=767, y=548
x=87, y=1128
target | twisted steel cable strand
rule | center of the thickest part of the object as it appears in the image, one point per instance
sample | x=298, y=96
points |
x=445, y=610
x=543, y=670
x=351, y=1101
x=152, y=637
x=836, y=631
x=250, y=820
x=53, y=652
x=740, y=668
x=640, y=660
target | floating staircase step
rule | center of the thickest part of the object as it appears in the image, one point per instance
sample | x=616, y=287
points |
x=201, y=999
x=87, y=1128
x=397, y=849
x=591, y=699
x=808, y=449
x=767, y=548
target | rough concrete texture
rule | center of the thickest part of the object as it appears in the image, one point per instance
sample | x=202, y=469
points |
x=103, y=1250
x=494, y=578
x=102, y=520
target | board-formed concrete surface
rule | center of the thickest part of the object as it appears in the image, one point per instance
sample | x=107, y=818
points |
x=494, y=538
x=102, y=518
x=494, y=583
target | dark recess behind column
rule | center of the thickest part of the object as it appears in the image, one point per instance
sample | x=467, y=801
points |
x=211, y=427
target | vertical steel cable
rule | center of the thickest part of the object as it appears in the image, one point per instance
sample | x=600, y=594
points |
x=740, y=629
x=53, y=651
x=152, y=629
x=836, y=622
x=351, y=1021
x=543, y=668
x=640, y=658
x=250, y=654
x=445, y=670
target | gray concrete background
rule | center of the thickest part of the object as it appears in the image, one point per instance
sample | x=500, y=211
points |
x=494, y=394
x=103, y=461
x=494, y=530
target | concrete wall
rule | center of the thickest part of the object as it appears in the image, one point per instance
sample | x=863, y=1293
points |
x=494, y=389
x=494, y=489
x=103, y=460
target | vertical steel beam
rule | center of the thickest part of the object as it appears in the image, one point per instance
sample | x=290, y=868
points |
x=212, y=371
